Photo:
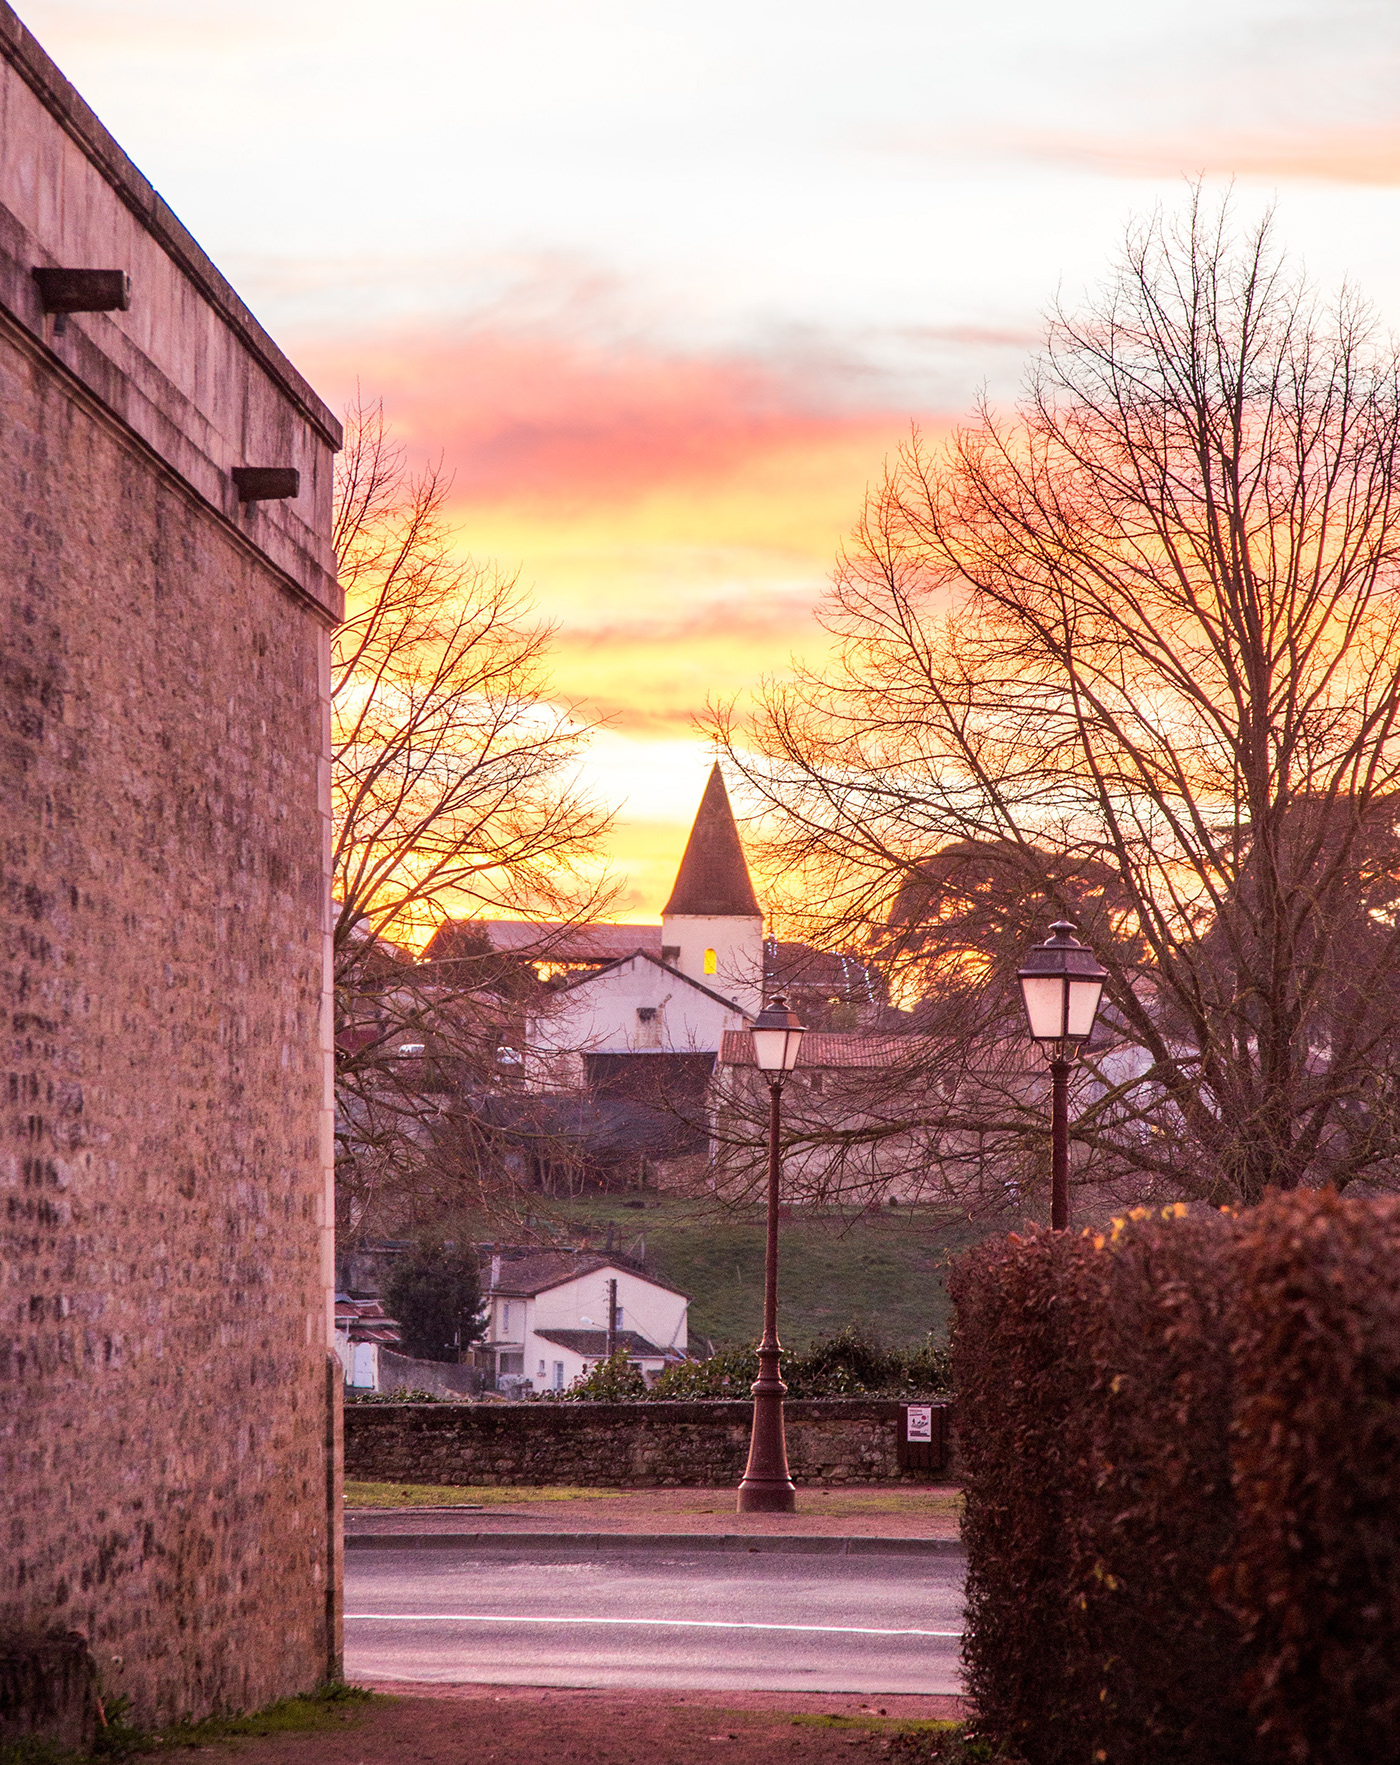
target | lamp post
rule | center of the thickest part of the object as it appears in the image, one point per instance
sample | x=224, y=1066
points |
x=1061, y=985
x=767, y=1488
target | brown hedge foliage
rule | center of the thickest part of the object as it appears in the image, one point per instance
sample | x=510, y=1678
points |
x=1182, y=1444
x=1157, y=1660
x=1012, y=1360
x=1094, y=1396
x=1315, y=1576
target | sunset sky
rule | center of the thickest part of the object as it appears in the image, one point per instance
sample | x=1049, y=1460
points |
x=663, y=285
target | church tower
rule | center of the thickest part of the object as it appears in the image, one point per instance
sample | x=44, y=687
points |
x=712, y=926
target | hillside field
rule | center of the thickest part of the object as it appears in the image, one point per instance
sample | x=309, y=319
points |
x=882, y=1271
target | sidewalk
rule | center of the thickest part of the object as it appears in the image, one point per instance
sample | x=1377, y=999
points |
x=521, y=1725
x=899, y=1512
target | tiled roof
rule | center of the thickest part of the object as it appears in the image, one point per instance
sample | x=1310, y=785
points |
x=531, y=1271
x=534, y=1271
x=594, y=1343
x=713, y=877
x=821, y=1048
x=544, y=940
x=364, y=1320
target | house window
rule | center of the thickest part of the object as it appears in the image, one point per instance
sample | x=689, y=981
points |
x=541, y=1372
x=505, y=1319
x=558, y=1375
x=512, y=1363
x=711, y=962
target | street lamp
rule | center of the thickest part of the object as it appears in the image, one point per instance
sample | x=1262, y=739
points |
x=767, y=1488
x=1061, y=985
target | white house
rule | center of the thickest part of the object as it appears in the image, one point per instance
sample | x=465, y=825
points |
x=548, y=1317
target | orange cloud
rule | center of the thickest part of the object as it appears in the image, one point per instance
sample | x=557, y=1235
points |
x=1334, y=156
x=676, y=517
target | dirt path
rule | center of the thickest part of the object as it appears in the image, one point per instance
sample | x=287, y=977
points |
x=477, y=1724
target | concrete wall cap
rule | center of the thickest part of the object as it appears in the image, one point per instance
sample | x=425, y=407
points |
x=65, y=104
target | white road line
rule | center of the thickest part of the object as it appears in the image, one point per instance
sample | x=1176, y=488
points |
x=644, y=1623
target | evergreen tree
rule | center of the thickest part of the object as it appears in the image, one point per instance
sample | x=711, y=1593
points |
x=435, y=1297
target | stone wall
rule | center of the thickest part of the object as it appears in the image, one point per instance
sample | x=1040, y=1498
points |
x=400, y=1372
x=617, y=1445
x=167, y=1422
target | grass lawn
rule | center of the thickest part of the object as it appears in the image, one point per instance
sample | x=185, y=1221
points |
x=883, y=1271
x=442, y=1495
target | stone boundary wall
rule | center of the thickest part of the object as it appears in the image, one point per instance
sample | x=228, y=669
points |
x=400, y=1372
x=830, y=1441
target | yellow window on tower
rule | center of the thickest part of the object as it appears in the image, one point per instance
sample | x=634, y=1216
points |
x=711, y=962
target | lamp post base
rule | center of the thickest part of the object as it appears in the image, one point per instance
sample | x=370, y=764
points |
x=767, y=1488
x=766, y=1498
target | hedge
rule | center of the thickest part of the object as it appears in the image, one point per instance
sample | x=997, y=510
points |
x=848, y=1364
x=1179, y=1437
x=1315, y=1575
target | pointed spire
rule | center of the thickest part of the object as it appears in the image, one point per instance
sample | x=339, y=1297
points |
x=713, y=879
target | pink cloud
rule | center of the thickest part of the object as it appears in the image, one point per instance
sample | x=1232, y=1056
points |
x=528, y=416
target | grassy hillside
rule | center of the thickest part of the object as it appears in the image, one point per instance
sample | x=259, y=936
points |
x=882, y=1271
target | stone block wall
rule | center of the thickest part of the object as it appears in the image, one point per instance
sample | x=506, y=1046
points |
x=167, y=1422
x=705, y=1444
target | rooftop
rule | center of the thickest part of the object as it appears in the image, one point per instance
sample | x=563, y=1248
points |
x=542, y=940
x=821, y=1048
x=525, y=1270
x=713, y=880
x=594, y=1343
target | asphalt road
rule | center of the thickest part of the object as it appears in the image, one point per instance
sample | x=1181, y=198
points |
x=656, y=1620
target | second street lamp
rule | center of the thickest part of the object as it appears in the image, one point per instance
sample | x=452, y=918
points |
x=767, y=1487
x=1061, y=985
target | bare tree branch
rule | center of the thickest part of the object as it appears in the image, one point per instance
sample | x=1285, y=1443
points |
x=1135, y=652
x=457, y=796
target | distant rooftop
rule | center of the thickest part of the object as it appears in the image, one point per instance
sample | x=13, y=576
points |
x=821, y=1048
x=542, y=940
x=593, y=1344
x=713, y=880
x=525, y=1270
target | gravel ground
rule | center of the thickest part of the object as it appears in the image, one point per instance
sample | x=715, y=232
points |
x=474, y=1725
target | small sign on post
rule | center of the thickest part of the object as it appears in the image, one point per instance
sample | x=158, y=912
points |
x=920, y=1443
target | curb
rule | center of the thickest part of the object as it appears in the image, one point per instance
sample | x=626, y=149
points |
x=594, y=1543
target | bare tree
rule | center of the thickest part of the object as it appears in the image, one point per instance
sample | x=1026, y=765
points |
x=457, y=797
x=1136, y=648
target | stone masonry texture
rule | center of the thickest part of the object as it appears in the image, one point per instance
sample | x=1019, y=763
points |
x=705, y=1444
x=165, y=1411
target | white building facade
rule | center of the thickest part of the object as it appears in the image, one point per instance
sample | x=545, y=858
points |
x=638, y=1005
x=705, y=980
x=548, y=1312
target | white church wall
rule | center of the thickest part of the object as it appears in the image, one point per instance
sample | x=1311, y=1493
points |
x=636, y=1007
x=736, y=946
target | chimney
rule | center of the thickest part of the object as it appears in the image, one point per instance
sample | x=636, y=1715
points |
x=495, y=1273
